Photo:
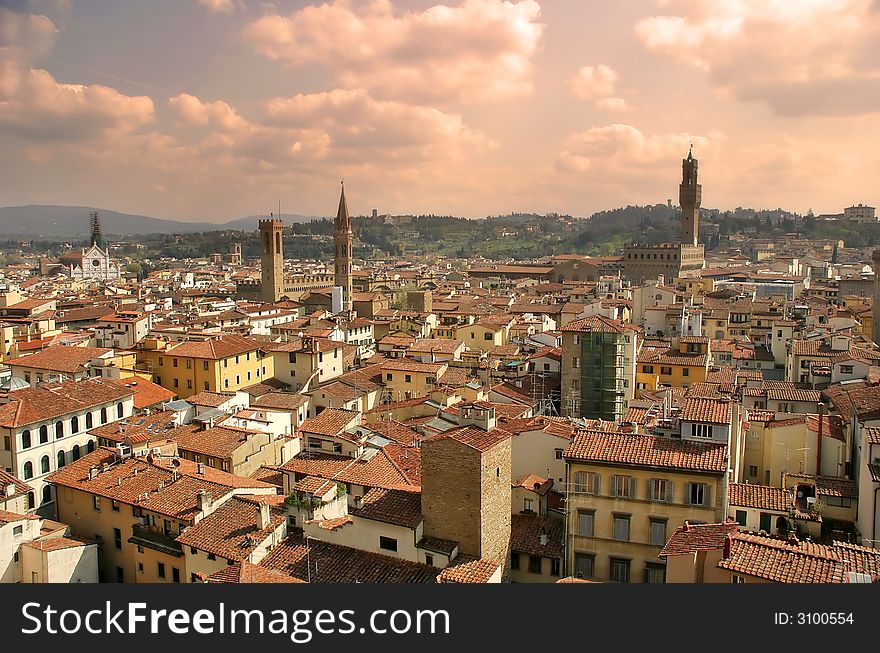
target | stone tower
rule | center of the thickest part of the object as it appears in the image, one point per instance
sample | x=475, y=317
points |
x=342, y=237
x=272, y=254
x=689, y=197
x=875, y=312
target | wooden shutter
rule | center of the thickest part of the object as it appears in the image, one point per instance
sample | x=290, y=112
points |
x=650, y=493
x=614, y=486
x=670, y=493
x=596, y=481
x=687, y=493
x=632, y=487
x=707, y=495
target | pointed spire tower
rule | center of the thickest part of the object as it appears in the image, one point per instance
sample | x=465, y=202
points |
x=342, y=239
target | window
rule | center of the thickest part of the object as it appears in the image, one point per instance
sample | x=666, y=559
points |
x=741, y=516
x=59, y=430
x=846, y=369
x=120, y=575
x=119, y=410
x=842, y=502
x=74, y=453
x=160, y=569
x=621, y=528
x=753, y=471
x=74, y=424
x=117, y=538
x=7, y=445
x=586, y=522
x=44, y=465
x=655, y=573
x=387, y=543
x=558, y=453
x=487, y=336
x=388, y=377
x=60, y=459
x=685, y=371
x=534, y=564
x=702, y=431
x=554, y=567
x=514, y=560
x=584, y=564
x=188, y=364
x=189, y=384
x=17, y=530
x=26, y=439
x=737, y=579
x=44, y=434
x=407, y=378
x=211, y=556
x=174, y=382
x=666, y=370
x=648, y=369
x=429, y=560
x=698, y=494
x=205, y=363
x=114, y=505
x=174, y=362
x=104, y=415
x=575, y=362
x=623, y=487
x=175, y=575
x=96, y=503
x=28, y=471
x=527, y=505
x=31, y=500
x=89, y=421
x=620, y=570
x=659, y=489
x=658, y=532
x=586, y=482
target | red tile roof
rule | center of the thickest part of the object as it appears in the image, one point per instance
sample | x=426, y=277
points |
x=48, y=401
x=647, y=450
x=705, y=410
x=526, y=532
x=59, y=358
x=397, y=507
x=689, y=538
x=765, y=497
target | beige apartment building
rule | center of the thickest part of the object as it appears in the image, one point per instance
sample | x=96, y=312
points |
x=626, y=493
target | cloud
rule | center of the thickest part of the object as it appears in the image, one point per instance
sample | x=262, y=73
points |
x=219, y=6
x=593, y=81
x=25, y=37
x=612, y=104
x=480, y=50
x=35, y=105
x=358, y=124
x=620, y=150
x=813, y=57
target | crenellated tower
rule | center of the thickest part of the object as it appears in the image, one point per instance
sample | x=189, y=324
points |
x=689, y=197
x=272, y=255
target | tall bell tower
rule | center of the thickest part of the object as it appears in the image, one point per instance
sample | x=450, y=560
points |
x=689, y=197
x=272, y=257
x=342, y=239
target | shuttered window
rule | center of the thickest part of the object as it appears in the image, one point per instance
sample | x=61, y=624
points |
x=660, y=489
x=586, y=483
x=623, y=487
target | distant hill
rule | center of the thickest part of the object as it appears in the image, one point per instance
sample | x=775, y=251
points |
x=63, y=222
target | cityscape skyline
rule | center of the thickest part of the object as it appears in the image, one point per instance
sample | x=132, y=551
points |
x=213, y=110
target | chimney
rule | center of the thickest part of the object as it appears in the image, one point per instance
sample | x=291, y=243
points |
x=204, y=500
x=201, y=469
x=728, y=541
x=93, y=472
x=263, y=516
x=544, y=538
x=10, y=490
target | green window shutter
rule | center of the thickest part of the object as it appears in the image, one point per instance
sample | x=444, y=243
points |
x=650, y=493
x=707, y=495
x=687, y=493
x=670, y=493
x=614, y=486
x=632, y=487
x=596, y=483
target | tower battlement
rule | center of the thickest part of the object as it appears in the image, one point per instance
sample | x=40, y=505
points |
x=271, y=223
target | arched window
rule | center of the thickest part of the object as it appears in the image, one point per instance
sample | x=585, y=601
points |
x=74, y=453
x=47, y=494
x=59, y=430
x=119, y=410
x=31, y=500
x=44, y=434
x=277, y=243
x=28, y=470
x=89, y=421
x=74, y=424
x=26, y=439
x=104, y=415
x=44, y=465
x=61, y=461
x=90, y=447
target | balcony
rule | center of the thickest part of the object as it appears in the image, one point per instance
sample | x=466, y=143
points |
x=155, y=540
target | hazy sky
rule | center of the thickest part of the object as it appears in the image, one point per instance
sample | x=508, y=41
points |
x=215, y=109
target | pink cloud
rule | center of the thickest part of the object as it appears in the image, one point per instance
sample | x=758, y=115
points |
x=814, y=57
x=479, y=50
x=593, y=81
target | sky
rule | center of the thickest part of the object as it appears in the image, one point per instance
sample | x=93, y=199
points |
x=216, y=109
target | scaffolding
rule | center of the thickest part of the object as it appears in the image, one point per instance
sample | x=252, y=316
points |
x=602, y=394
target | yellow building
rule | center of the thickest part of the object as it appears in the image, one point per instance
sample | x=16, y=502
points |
x=407, y=379
x=626, y=493
x=677, y=367
x=225, y=363
x=486, y=333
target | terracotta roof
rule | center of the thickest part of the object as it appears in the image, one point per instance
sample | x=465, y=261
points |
x=146, y=393
x=219, y=441
x=830, y=486
x=222, y=346
x=467, y=569
x=232, y=531
x=210, y=399
x=654, y=451
x=472, y=436
x=391, y=506
x=281, y=400
x=245, y=572
x=7, y=517
x=785, y=561
x=59, y=358
x=7, y=479
x=766, y=497
x=526, y=531
x=706, y=410
x=597, y=324
x=51, y=400
x=379, y=470
x=689, y=538
x=57, y=543
x=329, y=422
x=332, y=563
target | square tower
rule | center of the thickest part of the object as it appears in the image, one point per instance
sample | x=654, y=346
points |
x=272, y=256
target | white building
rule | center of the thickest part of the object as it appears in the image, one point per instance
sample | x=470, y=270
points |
x=861, y=213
